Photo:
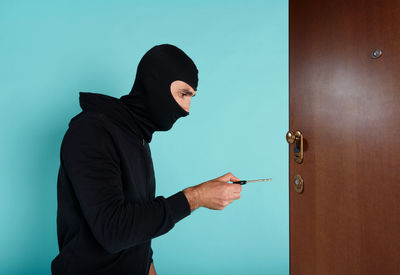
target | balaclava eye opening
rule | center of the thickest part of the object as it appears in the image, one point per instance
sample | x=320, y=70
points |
x=150, y=99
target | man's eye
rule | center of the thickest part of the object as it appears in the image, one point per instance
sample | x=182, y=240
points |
x=182, y=94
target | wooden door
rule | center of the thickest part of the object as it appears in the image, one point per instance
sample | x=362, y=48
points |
x=347, y=106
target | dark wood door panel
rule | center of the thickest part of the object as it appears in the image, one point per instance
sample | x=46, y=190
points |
x=347, y=105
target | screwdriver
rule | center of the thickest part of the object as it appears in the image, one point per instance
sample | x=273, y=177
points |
x=241, y=182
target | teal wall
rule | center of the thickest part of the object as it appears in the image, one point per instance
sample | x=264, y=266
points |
x=51, y=50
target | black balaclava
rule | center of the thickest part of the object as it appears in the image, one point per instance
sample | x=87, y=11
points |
x=150, y=101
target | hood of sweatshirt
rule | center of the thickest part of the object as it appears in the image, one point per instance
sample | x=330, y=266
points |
x=114, y=109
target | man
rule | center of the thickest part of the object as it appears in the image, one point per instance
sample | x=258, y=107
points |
x=107, y=211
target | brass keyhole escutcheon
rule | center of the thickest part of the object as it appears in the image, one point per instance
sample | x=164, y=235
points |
x=297, y=140
x=298, y=184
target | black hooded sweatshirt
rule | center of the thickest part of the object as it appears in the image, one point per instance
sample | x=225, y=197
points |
x=107, y=212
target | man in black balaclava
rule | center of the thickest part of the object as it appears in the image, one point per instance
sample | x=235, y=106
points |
x=107, y=211
x=150, y=99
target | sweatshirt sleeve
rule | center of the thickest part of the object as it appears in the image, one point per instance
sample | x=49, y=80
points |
x=93, y=167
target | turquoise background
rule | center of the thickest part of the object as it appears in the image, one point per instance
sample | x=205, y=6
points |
x=51, y=50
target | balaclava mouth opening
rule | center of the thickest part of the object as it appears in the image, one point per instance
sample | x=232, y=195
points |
x=150, y=100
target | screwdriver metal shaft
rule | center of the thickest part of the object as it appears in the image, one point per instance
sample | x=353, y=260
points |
x=241, y=182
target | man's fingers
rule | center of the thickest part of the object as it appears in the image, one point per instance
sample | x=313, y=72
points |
x=234, y=196
x=236, y=188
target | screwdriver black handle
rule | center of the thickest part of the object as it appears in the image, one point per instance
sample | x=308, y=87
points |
x=241, y=182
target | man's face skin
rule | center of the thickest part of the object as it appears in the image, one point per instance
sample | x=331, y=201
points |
x=183, y=93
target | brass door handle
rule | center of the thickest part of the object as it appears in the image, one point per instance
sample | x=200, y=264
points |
x=297, y=140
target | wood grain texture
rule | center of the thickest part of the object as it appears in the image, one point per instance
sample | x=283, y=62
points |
x=347, y=105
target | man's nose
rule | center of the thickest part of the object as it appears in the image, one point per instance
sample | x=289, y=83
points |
x=187, y=107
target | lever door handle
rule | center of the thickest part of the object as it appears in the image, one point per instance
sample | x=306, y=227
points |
x=297, y=140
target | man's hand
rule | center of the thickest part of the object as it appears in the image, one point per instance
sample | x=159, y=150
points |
x=152, y=271
x=214, y=194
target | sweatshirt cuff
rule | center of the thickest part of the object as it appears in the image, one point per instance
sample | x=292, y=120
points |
x=179, y=205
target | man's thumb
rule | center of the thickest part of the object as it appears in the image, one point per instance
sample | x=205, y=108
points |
x=228, y=177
